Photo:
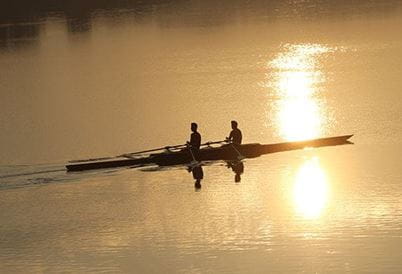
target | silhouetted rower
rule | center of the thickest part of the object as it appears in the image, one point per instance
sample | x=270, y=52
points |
x=235, y=135
x=195, y=138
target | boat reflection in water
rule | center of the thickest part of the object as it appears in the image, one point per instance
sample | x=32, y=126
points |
x=310, y=189
x=198, y=174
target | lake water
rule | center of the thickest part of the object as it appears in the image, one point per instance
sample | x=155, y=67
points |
x=88, y=80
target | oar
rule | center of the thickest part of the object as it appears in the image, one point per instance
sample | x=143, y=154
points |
x=194, y=162
x=92, y=159
x=149, y=150
x=129, y=155
x=168, y=147
x=239, y=155
x=214, y=143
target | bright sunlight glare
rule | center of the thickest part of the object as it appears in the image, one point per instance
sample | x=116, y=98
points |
x=299, y=114
x=311, y=189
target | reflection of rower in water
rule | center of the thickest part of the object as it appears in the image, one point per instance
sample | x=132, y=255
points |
x=238, y=169
x=198, y=175
x=235, y=135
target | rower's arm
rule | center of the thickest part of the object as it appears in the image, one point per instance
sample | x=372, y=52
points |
x=230, y=138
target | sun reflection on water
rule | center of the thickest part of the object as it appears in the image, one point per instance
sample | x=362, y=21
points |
x=299, y=112
x=311, y=189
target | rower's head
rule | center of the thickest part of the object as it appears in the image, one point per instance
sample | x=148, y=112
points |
x=194, y=127
x=234, y=124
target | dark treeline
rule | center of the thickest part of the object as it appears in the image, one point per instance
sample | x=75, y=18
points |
x=25, y=10
x=20, y=19
x=21, y=10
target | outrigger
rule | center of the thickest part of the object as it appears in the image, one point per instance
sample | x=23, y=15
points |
x=181, y=154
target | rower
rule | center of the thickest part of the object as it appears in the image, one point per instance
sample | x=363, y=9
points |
x=195, y=138
x=235, y=135
x=194, y=145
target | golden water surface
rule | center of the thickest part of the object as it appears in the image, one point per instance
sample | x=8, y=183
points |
x=88, y=81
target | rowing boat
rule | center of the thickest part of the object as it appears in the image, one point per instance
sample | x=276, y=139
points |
x=225, y=152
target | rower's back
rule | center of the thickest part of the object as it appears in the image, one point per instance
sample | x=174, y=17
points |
x=195, y=137
x=235, y=135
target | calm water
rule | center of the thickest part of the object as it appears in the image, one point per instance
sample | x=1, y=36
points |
x=104, y=79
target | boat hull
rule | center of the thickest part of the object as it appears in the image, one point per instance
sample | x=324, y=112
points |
x=226, y=152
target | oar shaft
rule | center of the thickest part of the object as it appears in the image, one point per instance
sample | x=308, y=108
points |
x=213, y=143
x=169, y=147
x=151, y=150
x=143, y=151
x=92, y=159
x=239, y=155
x=192, y=154
x=238, y=152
